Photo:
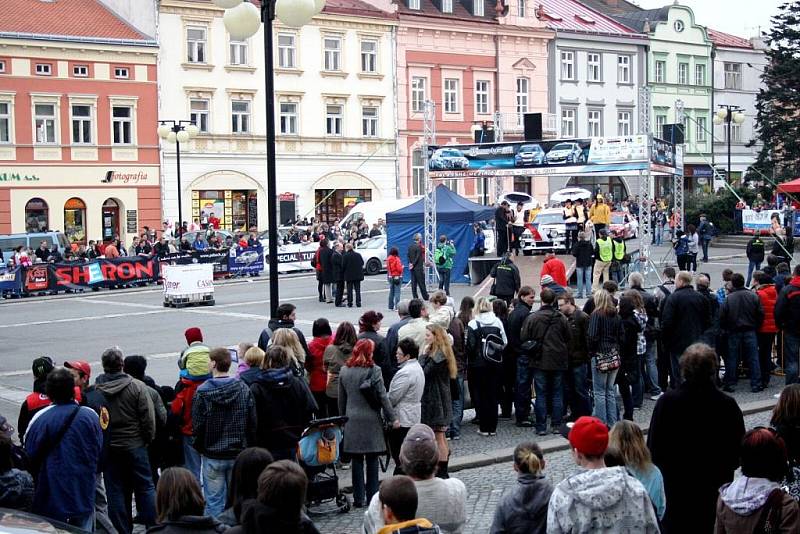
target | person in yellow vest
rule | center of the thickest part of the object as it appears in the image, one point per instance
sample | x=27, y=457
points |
x=618, y=262
x=600, y=215
x=603, y=254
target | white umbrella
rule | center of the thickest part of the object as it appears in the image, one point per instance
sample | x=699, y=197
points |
x=570, y=193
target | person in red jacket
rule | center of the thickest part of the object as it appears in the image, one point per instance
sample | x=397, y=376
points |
x=555, y=268
x=317, y=377
x=394, y=270
x=768, y=295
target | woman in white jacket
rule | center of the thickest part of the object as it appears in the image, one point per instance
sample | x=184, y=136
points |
x=440, y=313
x=405, y=395
x=484, y=375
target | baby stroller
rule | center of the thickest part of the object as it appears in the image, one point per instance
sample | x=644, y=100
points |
x=318, y=452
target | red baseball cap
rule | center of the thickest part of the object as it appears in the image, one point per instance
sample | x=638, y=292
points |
x=81, y=366
x=589, y=435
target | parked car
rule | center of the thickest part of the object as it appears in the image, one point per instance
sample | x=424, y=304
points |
x=447, y=159
x=565, y=153
x=624, y=223
x=9, y=242
x=529, y=155
x=373, y=251
x=191, y=237
x=546, y=232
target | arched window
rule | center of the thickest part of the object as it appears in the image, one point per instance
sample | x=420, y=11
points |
x=36, y=215
x=110, y=219
x=75, y=220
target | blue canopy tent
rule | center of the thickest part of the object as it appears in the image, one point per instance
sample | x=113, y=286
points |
x=454, y=218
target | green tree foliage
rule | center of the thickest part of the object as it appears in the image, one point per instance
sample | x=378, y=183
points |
x=718, y=208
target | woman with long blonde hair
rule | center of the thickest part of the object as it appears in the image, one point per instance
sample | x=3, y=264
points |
x=604, y=340
x=439, y=365
x=627, y=438
x=287, y=338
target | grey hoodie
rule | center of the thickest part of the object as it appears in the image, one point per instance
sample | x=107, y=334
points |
x=132, y=419
x=523, y=508
x=746, y=495
x=606, y=500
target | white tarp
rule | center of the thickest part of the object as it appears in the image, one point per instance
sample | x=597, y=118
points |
x=293, y=257
x=190, y=279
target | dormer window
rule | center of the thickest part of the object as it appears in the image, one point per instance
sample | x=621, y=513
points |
x=413, y=4
x=447, y=6
x=477, y=8
x=586, y=19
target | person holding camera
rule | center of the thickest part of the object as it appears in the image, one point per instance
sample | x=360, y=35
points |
x=443, y=256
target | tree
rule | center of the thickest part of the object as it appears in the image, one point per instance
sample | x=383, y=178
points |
x=778, y=102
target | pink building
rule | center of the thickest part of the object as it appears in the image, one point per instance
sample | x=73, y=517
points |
x=471, y=59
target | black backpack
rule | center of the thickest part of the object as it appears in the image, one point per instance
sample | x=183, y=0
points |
x=488, y=343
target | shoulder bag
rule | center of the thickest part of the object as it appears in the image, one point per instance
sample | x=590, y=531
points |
x=607, y=361
x=369, y=393
x=532, y=348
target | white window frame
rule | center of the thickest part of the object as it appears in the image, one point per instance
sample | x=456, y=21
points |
x=733, y=75
x=122, y=73
x=660, y=71
x=624, y=122
x=450, y=89
x=417, y=173
x=569, y=120
x=447, y=6
x=594, y=122
x=197, y=116
x=594, y=67
x=77, y=73
x=46, y=119
x=369, y=58
x=6, y=121
x=736, y=132
x=81, y=121
x=419, y=93
x=369, y=121
x=521, y=8
x=334, y=120
x=567, y=65
x=287, y=53
x=241, y=122
x=702, y=127
x=332, y=56
x=522, y=86
x=44, y=69
x=624, y=69
x=660, y=121
x=482, y=97
x=238, y=52
x=118, y=125
x=683, y=73
x=700, y=68
x=414, y=4
x=197, y=48
x=288, y=118
x=477, y=8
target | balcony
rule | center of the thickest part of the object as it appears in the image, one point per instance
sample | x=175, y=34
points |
x=513, y=124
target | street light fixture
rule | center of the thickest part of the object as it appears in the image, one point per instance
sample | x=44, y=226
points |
x=729, y=115
x=178, y=132
x=242, y=20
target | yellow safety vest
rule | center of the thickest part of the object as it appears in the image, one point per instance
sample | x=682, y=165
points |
x=619, y=250
x=604, y=247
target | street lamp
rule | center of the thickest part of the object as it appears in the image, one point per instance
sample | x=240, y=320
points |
x=178, y=132
x=729, y=115
x=242, y=20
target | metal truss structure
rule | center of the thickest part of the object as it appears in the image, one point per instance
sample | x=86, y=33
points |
x=677, y=183
x=645, y=182
x=428, y=139
x=498, y=138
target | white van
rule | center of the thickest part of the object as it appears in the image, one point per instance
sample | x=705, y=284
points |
x=373, y=210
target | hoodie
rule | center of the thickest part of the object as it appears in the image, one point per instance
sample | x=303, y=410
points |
x=284, y=407
x=223, y=418
x=258, y=517
x=16, y=490
x=601, y=501
x=132, y=418
x=275, y=324
x=740, y=505
x=524, y=507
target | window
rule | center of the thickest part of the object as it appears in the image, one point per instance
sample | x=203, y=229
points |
x=623, y=69
x=240, y=117
x=5, y=122
x=122, y=125
x=333, y=53
x=2, y=65
x=121, y=72
x=447, y=6
x=80, y=71
x=702, y=125
x=198, y=114
x=288, y=118
x=44, y=69
x=286, y=51
x=413, y=4
x=477, y=8
x=75, y=220
x=594, y=121
x=624, y=123
x=195, y=44
x=333, y=120
x=661, y=120
x=660, y=71
x=521, y=8
x=736, y=132
x=45, y=119
x=522, y=97
x=36, y=215
x=685, y=123
x=417, y=173
x=568, y=122
x=593, y=67
x=238, y=50
x=418, y=93
x=369, y=121
x=683, y=73
x=733, y=75
x=567, y=65
x=482, y=96
x=369, y=56
x=450, y=95
x=700, y=74
x=81, y=124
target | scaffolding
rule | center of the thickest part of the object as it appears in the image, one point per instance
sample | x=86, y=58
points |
x=428, y=139
x=645, y=181
x=677, y=180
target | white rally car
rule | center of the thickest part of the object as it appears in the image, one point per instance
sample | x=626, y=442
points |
x=545, y=232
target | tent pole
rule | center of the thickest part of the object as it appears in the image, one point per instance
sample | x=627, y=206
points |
x=428, y=139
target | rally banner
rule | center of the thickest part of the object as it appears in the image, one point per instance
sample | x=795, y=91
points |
x=293, y=257
x=217, y=257
x=181, y=280
x=100, y=272
x=761, y=221
x=246, y=260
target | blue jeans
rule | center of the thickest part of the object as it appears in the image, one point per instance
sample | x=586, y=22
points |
x=791, y=356
x=751, y=266
x=362, y=494
x=584, y=275
x=605, y=400
x=659, y=234
x=216, y=476
x=577, y=391
x=444, y=280
x=549, y=393
x=522, y=399
x=742, y=345
x=128, y=472
x=191, y=458
x=704, y=243
x=394, y=294
x=458, y=408
x=650, y=369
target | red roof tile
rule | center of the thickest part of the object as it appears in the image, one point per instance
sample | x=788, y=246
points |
x=74, y=18
x=355, y=7
x=570, y=15
x=727, y=40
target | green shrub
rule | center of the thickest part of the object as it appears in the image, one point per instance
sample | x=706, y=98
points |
x=718, y=208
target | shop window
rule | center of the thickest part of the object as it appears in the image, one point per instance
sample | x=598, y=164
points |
x=110, y=219
x=36, y=215
x=75, y=220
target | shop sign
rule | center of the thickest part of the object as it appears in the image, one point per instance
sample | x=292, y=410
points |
x=132, y=222
x=124, y=177
x=16, y=177
x=286, y=197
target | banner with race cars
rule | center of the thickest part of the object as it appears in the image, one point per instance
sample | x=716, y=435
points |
x=623, y=155
x=246, y=260
x=761, y=221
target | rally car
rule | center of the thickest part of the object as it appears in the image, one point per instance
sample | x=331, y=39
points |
x=565, y=153
x=546, y=231
x=624, y=224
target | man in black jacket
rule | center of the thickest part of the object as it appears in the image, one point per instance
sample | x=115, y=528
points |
x=287, y=314
x=755, y=256
x=416, y=264
x=740, y=316
x=506, y=279
x=577, y=383
x=787, y=317
x=684, y=318
x=521, y=371
x=353, y=273
x=326, y=272
x=649, y=370
x=550, y=327
x=338, y=273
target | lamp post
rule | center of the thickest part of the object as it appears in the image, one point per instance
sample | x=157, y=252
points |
x=178, y=132
x=242, y=20
x=729, y=115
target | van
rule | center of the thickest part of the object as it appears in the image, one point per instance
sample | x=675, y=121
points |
x=373, y=210
x=9, y=242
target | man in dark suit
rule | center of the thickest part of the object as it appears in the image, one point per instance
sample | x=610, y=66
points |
x=338, y=272
x=353, y=272
x=416, y=264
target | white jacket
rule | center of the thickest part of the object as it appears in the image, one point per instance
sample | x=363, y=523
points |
x=442, y=316
x=405, y=393
x=415, y=329
x=489, y=319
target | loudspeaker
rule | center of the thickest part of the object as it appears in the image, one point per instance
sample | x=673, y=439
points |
x=533, y=126
x=673, y=133
x=484, y=136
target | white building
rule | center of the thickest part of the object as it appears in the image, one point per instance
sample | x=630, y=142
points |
x=335, y=114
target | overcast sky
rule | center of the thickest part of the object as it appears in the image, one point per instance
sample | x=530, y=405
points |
x=739, y=17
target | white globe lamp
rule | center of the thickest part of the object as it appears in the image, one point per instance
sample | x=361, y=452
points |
x=242, y=21
x=295, y=13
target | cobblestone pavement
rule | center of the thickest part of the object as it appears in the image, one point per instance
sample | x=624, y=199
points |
x=485, y=485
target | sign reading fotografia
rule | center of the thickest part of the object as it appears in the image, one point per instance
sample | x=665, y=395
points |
x=620, y=155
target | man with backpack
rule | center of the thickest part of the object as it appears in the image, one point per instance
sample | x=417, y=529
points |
x=706, y=231
x=443, y=256
x=755, y=256
x=287, y=313
x=681, y=247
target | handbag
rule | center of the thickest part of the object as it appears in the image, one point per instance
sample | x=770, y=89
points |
x=397, y=280
x=607, y=361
